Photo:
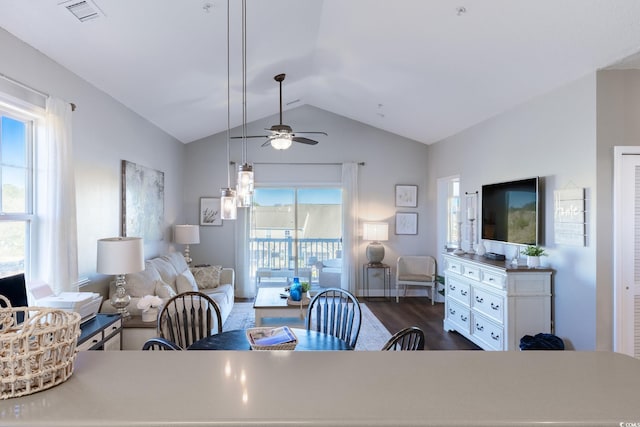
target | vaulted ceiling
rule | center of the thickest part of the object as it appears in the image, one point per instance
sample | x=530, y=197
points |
x=423, y=69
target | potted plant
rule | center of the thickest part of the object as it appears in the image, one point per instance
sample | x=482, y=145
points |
x=439, y=297
x=533, y=254
x=149, y=304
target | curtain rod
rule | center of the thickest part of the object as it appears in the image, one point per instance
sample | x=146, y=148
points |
x=29, y=88
x=300, y=164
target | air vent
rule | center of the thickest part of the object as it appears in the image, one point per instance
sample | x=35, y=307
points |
x=83, y=10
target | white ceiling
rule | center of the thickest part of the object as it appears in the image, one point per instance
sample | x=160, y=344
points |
x=417, y=68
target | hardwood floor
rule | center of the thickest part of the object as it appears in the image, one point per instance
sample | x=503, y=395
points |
x=418, y=311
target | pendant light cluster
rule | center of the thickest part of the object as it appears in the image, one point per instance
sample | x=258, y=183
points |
x=243, y=195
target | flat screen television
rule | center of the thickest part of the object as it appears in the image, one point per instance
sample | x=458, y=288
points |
x=510, y=211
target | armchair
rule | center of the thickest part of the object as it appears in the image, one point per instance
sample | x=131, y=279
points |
x=416, y=271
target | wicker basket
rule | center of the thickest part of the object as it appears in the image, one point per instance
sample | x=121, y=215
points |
x=253, y=332
x=38, y=353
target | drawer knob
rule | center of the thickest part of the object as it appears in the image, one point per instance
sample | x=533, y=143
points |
x=452, y=311
x=463, y=292
x=495, y=306
x=451, y=287
x=479, y=299
x=479, y=327
x=491, y=279
x=463, y=318
x=470, y=273
x=494, y=336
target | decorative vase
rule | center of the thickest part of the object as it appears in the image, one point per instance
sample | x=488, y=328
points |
x=481, y=250
x=150, y=315
x=533, y=261
x=295, y=292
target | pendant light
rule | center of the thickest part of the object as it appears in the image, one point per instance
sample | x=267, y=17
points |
x=244, y=184
x=228, y=204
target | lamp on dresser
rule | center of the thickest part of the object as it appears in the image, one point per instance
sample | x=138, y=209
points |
x=186, y=235
x=120, y=256
x=375, y=232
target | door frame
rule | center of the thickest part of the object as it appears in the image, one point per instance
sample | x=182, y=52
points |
x=621, y=342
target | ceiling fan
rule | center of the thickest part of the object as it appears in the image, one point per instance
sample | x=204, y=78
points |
x=282, y=136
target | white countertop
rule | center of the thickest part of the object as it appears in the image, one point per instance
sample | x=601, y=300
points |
x=220, y=388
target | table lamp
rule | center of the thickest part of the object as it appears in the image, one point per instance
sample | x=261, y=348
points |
x=186, y=235
x=375, y=232
x=120, y=256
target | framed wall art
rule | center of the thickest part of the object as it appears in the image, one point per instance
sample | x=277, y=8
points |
x=406, y=196
x=406, y=223
x=142, y=202
x=210, y=211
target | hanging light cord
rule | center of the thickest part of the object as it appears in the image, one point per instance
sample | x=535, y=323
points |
x=228, y=99
x=244, y=81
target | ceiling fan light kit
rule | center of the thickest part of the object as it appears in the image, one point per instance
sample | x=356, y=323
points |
x=281, y=142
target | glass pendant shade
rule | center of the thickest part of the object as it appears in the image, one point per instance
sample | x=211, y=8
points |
x=244, y=189
x=281, y=142
x=228, y=209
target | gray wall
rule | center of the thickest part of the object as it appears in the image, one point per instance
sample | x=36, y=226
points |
x=554, y=137
x=389, y=160
x=104, y=133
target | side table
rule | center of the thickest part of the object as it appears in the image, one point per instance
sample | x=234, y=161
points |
x=386, y=277
x=103, y=332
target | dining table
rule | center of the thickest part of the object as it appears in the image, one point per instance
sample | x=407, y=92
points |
x=308, y=340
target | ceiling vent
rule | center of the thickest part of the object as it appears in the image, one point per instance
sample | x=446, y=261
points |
x=84, y=10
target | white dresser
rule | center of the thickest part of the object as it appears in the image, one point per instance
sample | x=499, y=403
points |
x=493, y=304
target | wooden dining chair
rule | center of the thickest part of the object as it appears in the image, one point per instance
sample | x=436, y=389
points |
x=335, y=312
x=188, y=317
x=408, y=339
x=158, y=343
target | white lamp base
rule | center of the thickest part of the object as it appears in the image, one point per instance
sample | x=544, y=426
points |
x=375, y=253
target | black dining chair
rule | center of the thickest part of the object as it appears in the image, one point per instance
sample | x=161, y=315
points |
x=335, y=312
x=188, y=317
x=408, y=339
x=158, y=343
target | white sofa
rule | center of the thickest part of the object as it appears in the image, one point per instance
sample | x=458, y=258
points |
x=165, y=277
x=330, y=272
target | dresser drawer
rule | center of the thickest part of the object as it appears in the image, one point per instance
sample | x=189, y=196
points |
x=487, y=303
x=471, y=271
x=458, y=290
x=488, y=332
x=459, y=315
x=454, y=267
x=494, y=279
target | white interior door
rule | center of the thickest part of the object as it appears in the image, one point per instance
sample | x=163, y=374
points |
x=627, y=251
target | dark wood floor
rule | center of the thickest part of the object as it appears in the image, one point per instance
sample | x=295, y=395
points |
x=418, y=311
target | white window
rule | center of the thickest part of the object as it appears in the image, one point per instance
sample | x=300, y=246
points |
x=16, y=191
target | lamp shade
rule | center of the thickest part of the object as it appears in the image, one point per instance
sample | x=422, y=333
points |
x=186, y=234
x=281, y=142
x=375, y=231
x=120, y=255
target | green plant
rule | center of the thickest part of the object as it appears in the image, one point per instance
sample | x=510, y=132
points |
x=533, y=251
x=440, y=279
x=305, y=287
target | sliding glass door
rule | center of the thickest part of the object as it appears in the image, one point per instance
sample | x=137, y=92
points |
x=293, y=231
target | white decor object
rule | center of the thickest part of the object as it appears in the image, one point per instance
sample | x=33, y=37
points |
x=186, y=235
x=533, y=261
x=481, y=250
x=149, y=305
x=120, y=256
x=494, y=306
x=375, y=232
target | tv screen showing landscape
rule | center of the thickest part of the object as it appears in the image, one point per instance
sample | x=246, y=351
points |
x=510, y=212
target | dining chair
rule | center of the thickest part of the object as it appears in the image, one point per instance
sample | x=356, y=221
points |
x=407, y=339
x=416, y=270
x=158, y=343
x=335, y=312
x=188, y=317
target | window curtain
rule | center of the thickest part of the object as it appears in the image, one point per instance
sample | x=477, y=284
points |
x=56, y=211
x=350, y=226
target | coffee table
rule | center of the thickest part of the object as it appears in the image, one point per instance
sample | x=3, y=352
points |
x=269, y=304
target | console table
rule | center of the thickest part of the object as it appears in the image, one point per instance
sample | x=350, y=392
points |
x=494, y=304
x=103, y=332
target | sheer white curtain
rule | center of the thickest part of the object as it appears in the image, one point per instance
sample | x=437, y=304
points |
x=349, y=226
x=57, y=262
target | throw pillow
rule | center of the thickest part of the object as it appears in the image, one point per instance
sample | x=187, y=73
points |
x=166, y=270
x=185, y=282
x=208, y=276
x=176, y=259
x=141, y=283
x=163, y=290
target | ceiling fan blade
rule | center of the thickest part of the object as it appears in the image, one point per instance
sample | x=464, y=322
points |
x=266, y=144
x=250, y=136
x=304, y=140
x=316, y=133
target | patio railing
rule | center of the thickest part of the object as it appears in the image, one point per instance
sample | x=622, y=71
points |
x=280, y=253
